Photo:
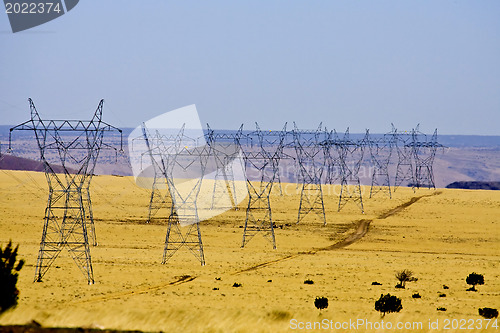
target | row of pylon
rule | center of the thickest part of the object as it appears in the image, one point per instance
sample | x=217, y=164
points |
x=320, y=157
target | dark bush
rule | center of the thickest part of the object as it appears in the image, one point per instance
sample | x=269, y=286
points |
x=308, y=281
x=488, y=313
x=416, y=295
x=441, y=309
x=445, y=287
x=442, y=295
x=321, y=303
x=387, y=304
x=375, y=283
x=474, y=279
x=9, y=293
x=236, y=285
x=404, y=276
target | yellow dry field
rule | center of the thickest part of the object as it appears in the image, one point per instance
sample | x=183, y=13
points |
x=441, y=235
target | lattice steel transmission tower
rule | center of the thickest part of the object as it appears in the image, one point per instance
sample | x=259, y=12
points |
x=182, y=164
x=261, y=155
x=332, y=159
x=424, y=151
x=191, y=162
x=311, y=162
x=159, y=200
x=68, y=221
x=381, y=153
x=405, y=170
x=350, y=154
x=225, y=149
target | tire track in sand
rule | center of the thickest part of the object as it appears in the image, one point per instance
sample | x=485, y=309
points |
x=176, y=282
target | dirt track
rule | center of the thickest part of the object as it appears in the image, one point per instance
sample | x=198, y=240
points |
x=361, y=230
x=177, y=281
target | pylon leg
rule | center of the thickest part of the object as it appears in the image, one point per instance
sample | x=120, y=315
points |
x=175, y=239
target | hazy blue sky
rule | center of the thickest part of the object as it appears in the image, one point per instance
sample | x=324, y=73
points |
x=362, y=64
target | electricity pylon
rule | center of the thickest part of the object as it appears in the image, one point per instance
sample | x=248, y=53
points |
x=68, y=221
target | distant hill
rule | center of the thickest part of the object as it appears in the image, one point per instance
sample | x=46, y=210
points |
x=469, y=158
x=10, y=162
x=475, y=185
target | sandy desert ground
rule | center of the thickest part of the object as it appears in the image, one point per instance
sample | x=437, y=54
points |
x=441, y=235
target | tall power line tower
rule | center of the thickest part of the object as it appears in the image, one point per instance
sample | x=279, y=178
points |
x=347, y=154
x=380, y=153
x=191, y=162
x=424, y=151
x=311, y=161
x=68, y=221
x=405, y=169
x=160, y=199
x=225, y=149
x=181, y=161
x=261, y=155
